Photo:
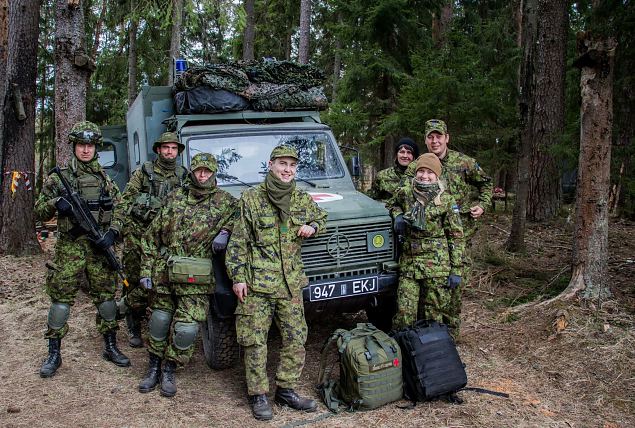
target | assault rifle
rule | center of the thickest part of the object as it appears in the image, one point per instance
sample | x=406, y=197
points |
x=88, y=225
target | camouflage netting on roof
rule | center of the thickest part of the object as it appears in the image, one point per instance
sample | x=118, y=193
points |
x=269, y=84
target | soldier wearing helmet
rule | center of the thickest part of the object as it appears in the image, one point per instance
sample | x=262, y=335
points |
x=194, y=223
x=140, y=202
x=75, y=255
x=264, y=261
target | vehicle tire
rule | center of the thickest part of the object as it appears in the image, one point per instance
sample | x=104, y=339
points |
x=381, y=315
x=219, y=342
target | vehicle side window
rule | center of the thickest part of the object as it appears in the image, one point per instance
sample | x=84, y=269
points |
x=107, y=155
x=137, y=151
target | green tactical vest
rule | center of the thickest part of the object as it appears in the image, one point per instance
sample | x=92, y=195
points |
x=154, y=189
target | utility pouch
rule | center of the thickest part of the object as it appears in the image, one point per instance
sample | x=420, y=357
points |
x=189, y=270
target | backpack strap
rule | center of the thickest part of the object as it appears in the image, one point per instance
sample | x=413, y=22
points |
x=148, y=169
x=326, y=385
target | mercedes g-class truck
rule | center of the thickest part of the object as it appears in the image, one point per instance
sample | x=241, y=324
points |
x=351, y=266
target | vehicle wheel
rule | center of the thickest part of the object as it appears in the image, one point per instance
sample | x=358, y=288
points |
x=381, y=315
x=219, y=342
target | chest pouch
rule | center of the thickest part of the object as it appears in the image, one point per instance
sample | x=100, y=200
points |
x=189, y=270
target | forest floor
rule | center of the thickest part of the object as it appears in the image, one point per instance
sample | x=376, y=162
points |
x=579, y=376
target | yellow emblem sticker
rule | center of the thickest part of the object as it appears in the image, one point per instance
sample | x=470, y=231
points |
x=378, y=241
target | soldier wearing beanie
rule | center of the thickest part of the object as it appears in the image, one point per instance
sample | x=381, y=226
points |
x=431, y=259
x=264, y=261
x=140, y=203
x=470, y=186
x=194, y=223
x=387, y=180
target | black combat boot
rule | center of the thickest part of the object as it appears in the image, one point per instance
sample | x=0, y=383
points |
x=168, y=379
x=151, y=380
x=111, y=352
x=260, y=407
x=133, y=320
x=288, y=397
x=54, y=359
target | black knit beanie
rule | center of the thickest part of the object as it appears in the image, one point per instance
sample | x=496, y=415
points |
x=408, y=142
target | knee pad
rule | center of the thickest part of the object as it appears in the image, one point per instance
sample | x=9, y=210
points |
x=184, y=334
x=159, y=324
x=108, y=310
x=58, y=315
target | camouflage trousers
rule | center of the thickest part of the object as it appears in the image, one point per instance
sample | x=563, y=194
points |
x=253, y=320
x=137, y=299
x=186, y=309
x=74, y=261
x=427, y=299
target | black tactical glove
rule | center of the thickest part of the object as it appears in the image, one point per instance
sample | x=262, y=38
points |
x=64, y=208
x=220, y=242
x=454, y=281
x=146, y=283
x=400, y=225
x=107, y=240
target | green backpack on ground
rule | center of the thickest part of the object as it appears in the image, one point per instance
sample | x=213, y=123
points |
x=370, y=369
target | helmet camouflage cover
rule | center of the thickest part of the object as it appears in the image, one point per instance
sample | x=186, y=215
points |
x=167, y=137
x=85, y=132
x=204, y=160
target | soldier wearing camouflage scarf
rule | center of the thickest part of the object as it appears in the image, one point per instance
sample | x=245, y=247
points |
x=264, y=261
x=432, y=254
x=140, y=202
x=194, y=223
x=75, y=255
x=389, y=179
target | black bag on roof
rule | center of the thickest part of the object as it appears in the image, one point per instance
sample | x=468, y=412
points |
x=205, y=100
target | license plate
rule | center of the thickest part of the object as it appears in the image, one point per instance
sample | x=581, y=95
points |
x=344, y=288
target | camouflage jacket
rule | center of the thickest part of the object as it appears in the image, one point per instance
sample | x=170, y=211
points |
x=438, y=250
x=144, y=195
x=261, y=253
x=94, y=186
x=185, y=226
x=386, y=183
x=466, y=180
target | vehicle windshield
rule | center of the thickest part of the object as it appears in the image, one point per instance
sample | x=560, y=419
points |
x=244, y=158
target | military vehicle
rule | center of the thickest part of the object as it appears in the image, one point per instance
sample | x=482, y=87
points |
x=351, y=267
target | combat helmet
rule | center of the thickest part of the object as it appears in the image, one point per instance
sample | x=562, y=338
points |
x=85, y=132
x=167, y=137
x=204, y=160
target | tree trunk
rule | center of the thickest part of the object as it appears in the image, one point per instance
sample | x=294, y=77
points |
x=175, y=40
x=305, y=31
x=71, y=74
x=516, y=240
x=441, y=24
x=337, y=60
x=4, y=33
x=547, y=121
x=17, y=219
x=132, y=53
x=250, y=30
x=590, y=240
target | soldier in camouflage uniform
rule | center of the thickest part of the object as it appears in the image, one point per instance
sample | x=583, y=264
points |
x=388, y=180
x=75, y=254
x=470, y=186
x=195, y=222
x=431, y=259
x=264, y=260
x=140, y=202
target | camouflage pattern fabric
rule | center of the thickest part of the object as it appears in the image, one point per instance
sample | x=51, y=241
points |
x=386, y=184
x=253, y=319
x=282, y=72
x=281, y=97
x=187, y=309
x=429, y=255
x=216, y=76
x=427, y=299
x=185, y=226
x=135, y=212
x=77, y=258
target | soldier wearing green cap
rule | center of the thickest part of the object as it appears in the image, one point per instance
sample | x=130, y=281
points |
x=265, y=263
x=470, y=186
x=194, y=223
x=140, y=202
x=75, y=255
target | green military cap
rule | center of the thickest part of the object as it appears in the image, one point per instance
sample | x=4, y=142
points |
x=85, y=132
x=283, y=151
x=204, y=160
x=167, y=137
x=436, y=125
